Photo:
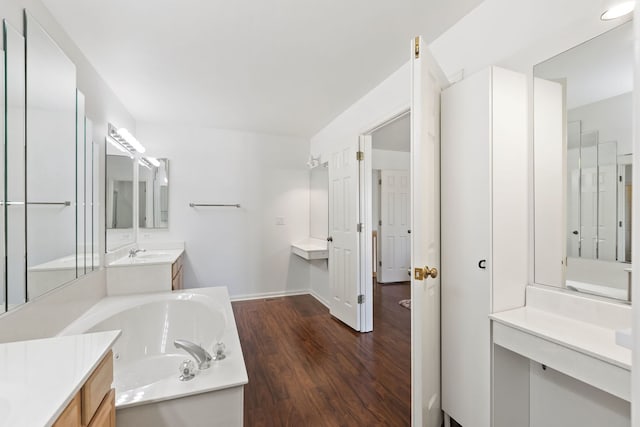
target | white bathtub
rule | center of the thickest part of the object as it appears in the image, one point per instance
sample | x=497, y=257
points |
x=148, y=391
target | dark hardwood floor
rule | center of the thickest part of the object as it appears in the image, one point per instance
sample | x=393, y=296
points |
x=307, y=369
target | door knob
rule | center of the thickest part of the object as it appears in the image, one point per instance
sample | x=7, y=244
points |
x=425, y=273
x=575, y=232
x=329, y=239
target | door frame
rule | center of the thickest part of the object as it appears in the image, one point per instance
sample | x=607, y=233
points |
x=366, y=212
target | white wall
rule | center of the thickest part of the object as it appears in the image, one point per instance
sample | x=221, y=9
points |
x=242, y=249
x=50, y=313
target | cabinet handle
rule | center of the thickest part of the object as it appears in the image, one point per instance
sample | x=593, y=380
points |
x=482, y=264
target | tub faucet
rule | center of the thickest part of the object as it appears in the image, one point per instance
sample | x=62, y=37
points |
x=134, y=252
x=202, y=356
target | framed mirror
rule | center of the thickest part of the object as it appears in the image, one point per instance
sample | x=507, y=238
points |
x=153, y=197
x=583, y=122
x=119, y=199
x=14, y=209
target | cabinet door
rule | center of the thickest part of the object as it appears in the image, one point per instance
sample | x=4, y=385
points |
x=106, y=414
x=465, y=166
x=70, y=417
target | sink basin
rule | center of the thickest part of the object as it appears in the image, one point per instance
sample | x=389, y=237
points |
x=150, y=257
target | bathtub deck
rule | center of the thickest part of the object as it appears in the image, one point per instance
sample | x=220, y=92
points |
x=306, y=368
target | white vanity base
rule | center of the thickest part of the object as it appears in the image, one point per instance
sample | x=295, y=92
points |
x=219, y=408
x=555, y=362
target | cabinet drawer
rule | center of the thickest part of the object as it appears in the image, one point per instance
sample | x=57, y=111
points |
x=176, y=267
x=106, y=413
x=70, y=417
x=96, y=387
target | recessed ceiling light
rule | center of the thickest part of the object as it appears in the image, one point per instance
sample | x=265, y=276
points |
x=618, y=10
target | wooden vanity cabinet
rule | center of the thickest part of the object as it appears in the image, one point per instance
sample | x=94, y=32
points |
x=176, y=274
x=94, y=405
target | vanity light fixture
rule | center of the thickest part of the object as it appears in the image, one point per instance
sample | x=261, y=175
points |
x=118, y=145
x=313, y=161
x=617, y=9
x=144, y=162
x=124, y=138
x=155, y=162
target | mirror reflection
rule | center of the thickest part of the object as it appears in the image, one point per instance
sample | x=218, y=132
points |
x=591, y=86
x=15, y=172
x=120, y=197
x=153, y=201
x=51, y=163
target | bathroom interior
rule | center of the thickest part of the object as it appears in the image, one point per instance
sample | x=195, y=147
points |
x=241, y=214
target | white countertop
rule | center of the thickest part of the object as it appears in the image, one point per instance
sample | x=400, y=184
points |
x=149, y=257
x=311, y=248
x=587, y=338
x=39, y=378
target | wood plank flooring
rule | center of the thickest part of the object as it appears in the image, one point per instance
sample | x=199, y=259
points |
x=307, y=369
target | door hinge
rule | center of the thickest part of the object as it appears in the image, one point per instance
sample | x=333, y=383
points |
x=360, y=299
x=379, y=182
x=417, y=47
x=380, y=222
x=380, y=263
x=359, y=227
x=360, y=156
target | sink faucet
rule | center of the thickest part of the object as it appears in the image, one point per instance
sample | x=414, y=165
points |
x=202, y=356
x=134, y=252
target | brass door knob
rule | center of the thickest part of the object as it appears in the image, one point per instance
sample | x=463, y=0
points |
x=425, y=273
x=430, y=272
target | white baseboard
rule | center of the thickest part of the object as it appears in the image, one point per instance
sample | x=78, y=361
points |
x=319, y=298
x=264, y=295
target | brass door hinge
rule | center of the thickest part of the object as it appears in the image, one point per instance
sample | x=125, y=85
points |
x=360, y=299
x=360, y=156
x=417, y=47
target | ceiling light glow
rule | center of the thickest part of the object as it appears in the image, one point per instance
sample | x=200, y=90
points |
x=618, y=10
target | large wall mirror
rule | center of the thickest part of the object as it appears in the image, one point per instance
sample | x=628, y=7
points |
x=583, y=121
x=153, y=199
x=49, y=166
x=120, y=199
x=51, y=163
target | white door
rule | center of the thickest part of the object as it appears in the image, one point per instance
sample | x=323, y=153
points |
x=426, y=85
x=344, y=262
x=395, y=250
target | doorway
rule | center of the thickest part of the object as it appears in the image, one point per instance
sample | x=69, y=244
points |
x=391, y=203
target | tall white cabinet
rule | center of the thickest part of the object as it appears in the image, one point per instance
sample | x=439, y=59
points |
x=484, y=230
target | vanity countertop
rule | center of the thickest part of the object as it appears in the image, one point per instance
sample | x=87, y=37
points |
x=311, y=248
x=39, y=378
x=149, y=257
x=587, y=338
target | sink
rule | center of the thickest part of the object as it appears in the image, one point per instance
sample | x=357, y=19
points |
x=150, y=257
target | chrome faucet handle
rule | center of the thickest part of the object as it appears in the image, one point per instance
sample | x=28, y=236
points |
x=219, y=349
x=202, y=356
x=187, y=370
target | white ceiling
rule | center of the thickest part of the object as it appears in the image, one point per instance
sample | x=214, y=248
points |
x=395, y=136
x=274, y=66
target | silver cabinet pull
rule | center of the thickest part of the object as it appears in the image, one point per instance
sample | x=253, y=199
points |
x=194, y=205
